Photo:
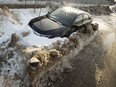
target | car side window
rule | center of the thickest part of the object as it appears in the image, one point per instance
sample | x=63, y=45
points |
x=78, y=19
x=85, y=16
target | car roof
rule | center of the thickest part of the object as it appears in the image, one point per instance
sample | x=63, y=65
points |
x=74, y=10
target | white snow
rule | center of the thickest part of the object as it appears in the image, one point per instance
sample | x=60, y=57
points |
x=8, y=27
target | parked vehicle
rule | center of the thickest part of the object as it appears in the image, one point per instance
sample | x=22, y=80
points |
x=61, y=22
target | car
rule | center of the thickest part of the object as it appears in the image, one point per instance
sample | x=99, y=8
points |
x=61, y=22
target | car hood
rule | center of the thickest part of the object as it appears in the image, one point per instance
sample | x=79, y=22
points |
x=46, y=24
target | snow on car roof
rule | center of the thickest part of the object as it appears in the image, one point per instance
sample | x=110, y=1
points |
x=74, y=10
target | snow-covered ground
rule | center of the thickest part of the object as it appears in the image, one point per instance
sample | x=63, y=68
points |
x=10, y=26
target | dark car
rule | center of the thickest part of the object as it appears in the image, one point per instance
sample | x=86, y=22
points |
x=60, y=23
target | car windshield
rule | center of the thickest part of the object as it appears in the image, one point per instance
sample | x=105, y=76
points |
x=62, y=16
